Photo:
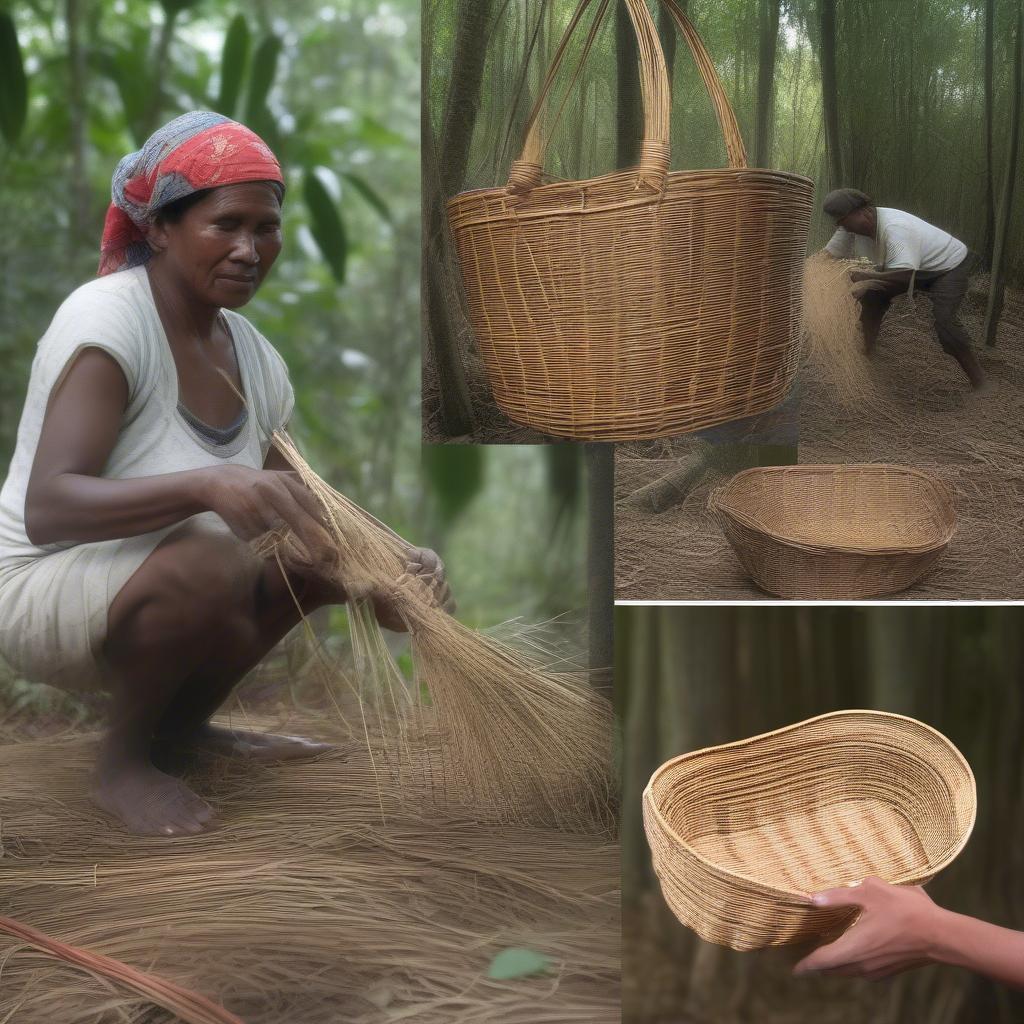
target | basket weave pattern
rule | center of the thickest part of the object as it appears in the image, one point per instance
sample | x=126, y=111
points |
x=742, y=833
x=641, y=303
x=835, y=532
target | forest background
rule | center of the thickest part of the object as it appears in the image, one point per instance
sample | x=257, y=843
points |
x=334, y=87
x=911, y=101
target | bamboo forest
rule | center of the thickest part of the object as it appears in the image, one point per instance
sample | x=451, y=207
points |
x=913, y=102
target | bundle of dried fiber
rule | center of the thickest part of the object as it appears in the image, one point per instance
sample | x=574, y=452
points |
x=835, y=347
x=519, y=742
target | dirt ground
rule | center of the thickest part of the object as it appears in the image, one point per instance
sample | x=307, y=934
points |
x=922, y=414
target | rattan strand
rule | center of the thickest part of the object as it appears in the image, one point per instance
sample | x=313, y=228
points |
x=742, y=834
x=637, y=304
x=835, y=532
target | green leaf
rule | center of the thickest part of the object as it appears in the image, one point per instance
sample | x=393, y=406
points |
x=261, y=77
x=128, y=68
x=516, y=963
x=362, y=186
x=326, y=224
x=376, y=134
x=232, y=65
x=455, y=474
x=13, y=84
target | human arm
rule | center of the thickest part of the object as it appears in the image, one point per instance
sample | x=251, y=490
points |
x=68, y=499
x=900, y=276
x=900, y=928
x=841, y=246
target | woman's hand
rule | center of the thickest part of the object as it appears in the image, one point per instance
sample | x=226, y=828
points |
x=899, y=928
x=254, y=502
x=424, y=568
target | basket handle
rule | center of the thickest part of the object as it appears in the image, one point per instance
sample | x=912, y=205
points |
x=525, y=173
x=736, y=151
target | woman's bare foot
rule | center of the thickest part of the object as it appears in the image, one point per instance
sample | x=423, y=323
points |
x=255, y=746
x=148, y=802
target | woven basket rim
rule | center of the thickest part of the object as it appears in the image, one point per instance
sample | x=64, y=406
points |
x=578, y=183
x=718, y=502
x=911, y=878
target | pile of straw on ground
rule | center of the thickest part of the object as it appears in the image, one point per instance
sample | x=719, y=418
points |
x=322, y=896
x=920, y=413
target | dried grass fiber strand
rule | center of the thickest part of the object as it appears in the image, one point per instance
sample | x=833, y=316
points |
x=835, y=532
x=640, y=303
x=520, y=742
x=835, y=345
x=742, y=833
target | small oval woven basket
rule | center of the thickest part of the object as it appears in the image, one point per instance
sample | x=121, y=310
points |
x=835, y=532
x=742, y=833
x=640, y=303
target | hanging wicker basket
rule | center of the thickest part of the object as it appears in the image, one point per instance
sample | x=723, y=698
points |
x=641, y=303
x=743, y=833
x=835, y=532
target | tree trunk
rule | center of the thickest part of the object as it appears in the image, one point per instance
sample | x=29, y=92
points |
x=636, y=700
x=472, y=20
x=443, y=178
x=829, y=93
x=600, y=577
x=997, y=282
x=990, y=200
x=769, y=36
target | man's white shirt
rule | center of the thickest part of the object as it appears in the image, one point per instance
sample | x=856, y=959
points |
x=902, y=242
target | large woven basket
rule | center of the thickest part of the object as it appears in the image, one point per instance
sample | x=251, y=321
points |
x=641, y=303
x=743, y=833
x=835, y=532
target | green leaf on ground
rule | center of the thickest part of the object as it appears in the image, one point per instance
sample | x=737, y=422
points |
x=517, y=963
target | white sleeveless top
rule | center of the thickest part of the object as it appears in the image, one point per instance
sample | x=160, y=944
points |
x=54, y=598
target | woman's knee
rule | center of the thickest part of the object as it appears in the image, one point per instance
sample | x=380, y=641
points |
x=192, y=591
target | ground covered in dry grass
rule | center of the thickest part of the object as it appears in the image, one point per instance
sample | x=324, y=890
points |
x=911, y=406
x=325, y=894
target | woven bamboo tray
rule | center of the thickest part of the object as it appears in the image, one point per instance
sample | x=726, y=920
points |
x=641, y=303
x=835, y=532
x=742, y=833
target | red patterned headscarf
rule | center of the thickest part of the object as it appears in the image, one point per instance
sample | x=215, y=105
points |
x=196, y=151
